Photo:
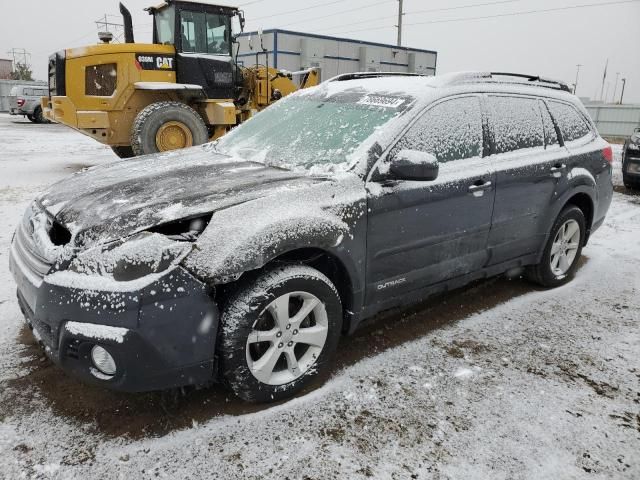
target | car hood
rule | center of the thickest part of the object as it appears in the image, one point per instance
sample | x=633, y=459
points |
x=108, y=202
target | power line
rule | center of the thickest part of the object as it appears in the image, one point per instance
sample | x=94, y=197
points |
x=430, y=10
x=341, y=12
x=320, y=5
x=500, y=15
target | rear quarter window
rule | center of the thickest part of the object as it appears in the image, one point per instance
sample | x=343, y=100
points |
x=572, y=124
x=14, y=91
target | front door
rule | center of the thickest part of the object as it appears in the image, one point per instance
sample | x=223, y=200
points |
x=204, y=53
x=421, y=233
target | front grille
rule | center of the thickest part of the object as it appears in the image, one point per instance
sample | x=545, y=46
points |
x=57, y=74
x=73, y=350
x=26, y=253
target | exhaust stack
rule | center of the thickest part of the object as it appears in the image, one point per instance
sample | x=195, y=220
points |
x=128, y=24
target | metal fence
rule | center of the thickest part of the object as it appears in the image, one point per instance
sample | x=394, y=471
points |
x=5, y=90
x=615, y=121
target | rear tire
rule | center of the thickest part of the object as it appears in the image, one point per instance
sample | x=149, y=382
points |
x=38, y=117
x=31, y=118
x=165, y=126
x=123, y=152
x=268, y=349
x=563, y=250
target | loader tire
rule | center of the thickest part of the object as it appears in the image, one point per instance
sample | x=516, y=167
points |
x=165, y=126
x=123, y=152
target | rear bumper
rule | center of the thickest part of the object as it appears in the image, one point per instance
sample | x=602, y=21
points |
x=95, y=124
x=161, y=336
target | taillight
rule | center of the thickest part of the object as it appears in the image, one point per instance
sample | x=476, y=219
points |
x=20, y=102
x=607, y=153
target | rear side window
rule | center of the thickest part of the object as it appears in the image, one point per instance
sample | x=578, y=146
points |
x=550, y=134
x=451, y=130
x=517, y=123
x=572, y=125
x=28, y=92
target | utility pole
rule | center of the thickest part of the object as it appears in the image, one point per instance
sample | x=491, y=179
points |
x=18, y=54
x=400, y=15
x=615, y=88
x=624, y=82
x=604, y=79
x=105, y=24
x=575, y=88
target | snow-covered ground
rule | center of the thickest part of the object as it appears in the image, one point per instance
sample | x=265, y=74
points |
x=500, y=380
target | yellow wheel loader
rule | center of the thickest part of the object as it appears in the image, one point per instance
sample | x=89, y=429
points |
x=184, y=89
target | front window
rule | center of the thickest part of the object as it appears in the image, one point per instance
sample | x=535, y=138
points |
x=451, y=130
x=205, y=33
x=313, y=129
x=165, y=26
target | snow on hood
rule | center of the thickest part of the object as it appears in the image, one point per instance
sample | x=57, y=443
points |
x=108, y=202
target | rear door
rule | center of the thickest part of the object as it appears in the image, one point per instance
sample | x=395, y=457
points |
x=423, y=232
x=529, y=162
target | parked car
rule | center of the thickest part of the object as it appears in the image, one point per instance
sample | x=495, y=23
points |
x=25, y=100
x=631, y=160
x=245, y=260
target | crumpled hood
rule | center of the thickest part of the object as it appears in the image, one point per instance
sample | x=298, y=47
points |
x=108, y=202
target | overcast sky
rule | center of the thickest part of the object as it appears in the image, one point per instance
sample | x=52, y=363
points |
x=547, y=43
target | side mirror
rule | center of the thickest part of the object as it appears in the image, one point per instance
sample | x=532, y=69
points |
x=414, y=165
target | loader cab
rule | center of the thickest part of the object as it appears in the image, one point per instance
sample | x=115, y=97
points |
x=203, y=39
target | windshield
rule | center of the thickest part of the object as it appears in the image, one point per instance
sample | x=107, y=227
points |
x=165, y=25
x=309, y=130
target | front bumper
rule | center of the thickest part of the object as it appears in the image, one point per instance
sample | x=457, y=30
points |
x=631, y=163
x=166, y=331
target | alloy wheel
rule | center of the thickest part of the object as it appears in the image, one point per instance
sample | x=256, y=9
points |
x=287, y=339
x=565, y=247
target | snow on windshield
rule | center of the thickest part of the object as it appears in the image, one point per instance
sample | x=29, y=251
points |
x=320, y=128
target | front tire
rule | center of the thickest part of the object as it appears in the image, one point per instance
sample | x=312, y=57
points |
x=165, y=126
x=631, y=184
x=563, y=250
x=279, y=332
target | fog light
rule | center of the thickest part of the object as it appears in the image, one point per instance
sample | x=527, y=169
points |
x=103, y=361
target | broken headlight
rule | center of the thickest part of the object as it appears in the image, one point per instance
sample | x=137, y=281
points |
x=144, y=254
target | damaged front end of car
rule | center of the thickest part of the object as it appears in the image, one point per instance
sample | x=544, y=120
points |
x=124, y=314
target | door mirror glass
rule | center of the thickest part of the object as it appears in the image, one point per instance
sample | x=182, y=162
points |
x=414, y=165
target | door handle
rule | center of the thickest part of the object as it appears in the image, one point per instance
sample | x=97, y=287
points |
x=556, y=170
x=477, y=189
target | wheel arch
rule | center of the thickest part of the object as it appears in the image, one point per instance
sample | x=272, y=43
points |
x=585, y=203
x=329, y=263
x=582, y=194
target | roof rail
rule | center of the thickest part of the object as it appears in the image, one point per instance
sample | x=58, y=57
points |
x=360, y=75
x=547, y=82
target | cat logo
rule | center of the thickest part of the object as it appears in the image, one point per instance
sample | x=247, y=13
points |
x=164, y=63
x=155, y=62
